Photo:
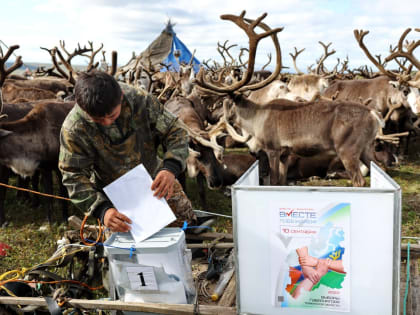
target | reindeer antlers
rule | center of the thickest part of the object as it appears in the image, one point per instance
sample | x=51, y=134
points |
x=324, y=56
x=248, y=26
x=294, y=57
x=359, y=35
x=69, y=75
x=222, y=49
x=410, y=48
x=3, y=71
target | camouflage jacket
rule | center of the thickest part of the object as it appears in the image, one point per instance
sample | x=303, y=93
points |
x=92, y=155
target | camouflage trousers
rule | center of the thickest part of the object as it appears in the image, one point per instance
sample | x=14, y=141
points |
x=181, y=206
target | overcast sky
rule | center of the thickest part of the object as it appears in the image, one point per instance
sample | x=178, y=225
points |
x=130, y=25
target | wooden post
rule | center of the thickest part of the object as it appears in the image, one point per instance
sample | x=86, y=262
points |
x=171, y=309
x=219, y=245
x=414, y=250
x=210, y=236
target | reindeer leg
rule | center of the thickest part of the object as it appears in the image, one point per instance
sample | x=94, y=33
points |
x=352, y=167
x=23, y=183
x=201, y=186
x=47, y=183
x=35, y=186
x=4, y=178
x=63, y=193
x=263, y=168
x=274, y=159
x=283, y=159
x=335, y=169
x=351, y=163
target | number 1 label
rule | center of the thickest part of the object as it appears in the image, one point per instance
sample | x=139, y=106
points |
x=142, y=278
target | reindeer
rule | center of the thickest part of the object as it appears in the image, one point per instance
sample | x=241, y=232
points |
x=54, y=85
x=10, y=112
x=31, y=142
x=300, y=88
x=13, y=93
x=389, y=92
x=345, y=128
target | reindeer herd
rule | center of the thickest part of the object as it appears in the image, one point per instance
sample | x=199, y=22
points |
x=322, y=123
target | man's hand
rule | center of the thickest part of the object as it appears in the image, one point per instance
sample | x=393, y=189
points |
x=116, y=221
x=308, y=261
x=163, y=185
x=311, y=274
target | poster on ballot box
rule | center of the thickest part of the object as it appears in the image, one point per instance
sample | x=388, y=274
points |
x=310, y=255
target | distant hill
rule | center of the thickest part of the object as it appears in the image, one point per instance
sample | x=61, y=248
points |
x=31, y=66
x=34, y=65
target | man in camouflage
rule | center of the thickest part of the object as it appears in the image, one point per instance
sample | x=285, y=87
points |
x=111, y=129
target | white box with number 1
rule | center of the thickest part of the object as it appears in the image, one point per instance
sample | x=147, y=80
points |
x=158, y=271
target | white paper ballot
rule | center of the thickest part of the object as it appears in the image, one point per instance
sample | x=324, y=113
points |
x=131, y=195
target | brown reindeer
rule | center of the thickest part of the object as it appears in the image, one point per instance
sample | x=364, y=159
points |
x=283, y=127
x=32, y=143
x=12, y=92
x=53, y=85
x=300, y=87
x=386, y=91
x=11, y=112
x=29, y=140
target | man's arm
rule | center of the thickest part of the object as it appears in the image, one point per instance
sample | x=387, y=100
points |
x=75, y=163
x=172, y=136
x=174, y=140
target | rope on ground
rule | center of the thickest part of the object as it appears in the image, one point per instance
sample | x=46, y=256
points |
x=21, y=273
x=203, y=284
x=34, y=192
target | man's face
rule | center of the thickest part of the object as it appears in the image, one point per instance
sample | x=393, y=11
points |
x=108, y=119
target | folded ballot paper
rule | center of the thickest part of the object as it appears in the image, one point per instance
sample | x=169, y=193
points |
x=131, y=195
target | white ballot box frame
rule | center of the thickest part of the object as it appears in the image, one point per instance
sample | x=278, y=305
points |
x=370, y=241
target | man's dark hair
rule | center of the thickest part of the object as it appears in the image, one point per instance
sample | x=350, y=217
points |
x=97, y=93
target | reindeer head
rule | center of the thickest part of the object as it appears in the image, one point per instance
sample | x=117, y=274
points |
x=186, y=78
x=202, y=160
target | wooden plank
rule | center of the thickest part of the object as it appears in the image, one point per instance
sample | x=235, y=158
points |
x=229, y=295
x=414, y=250
x=176, y=309
x=218, y=245
x=209, y=236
